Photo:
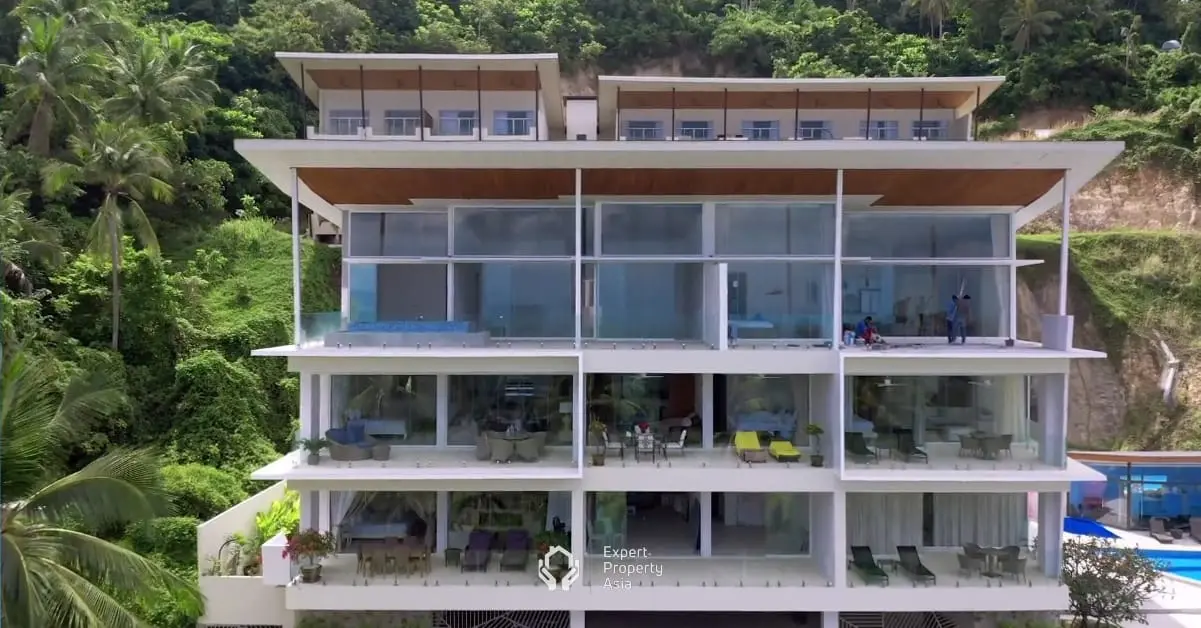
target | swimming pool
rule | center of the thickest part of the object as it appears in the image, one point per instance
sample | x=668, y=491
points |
x=1175, y=562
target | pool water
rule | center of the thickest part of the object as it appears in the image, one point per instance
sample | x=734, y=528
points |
x=1183, y=564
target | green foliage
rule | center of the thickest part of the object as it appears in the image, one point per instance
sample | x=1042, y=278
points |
x=173, y=538
x=219, y=414
x=201, y=492
x=1107, y=584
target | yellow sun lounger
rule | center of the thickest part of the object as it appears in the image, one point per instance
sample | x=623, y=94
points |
x=746, y=445
x=784, y=451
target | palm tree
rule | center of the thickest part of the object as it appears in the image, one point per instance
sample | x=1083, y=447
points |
x=50, y=79
x=936, y=11
x=94, y=21
x=54, y=574
x=1025, y=22
x=128, y=163
x=159, y=81
x=22, y=238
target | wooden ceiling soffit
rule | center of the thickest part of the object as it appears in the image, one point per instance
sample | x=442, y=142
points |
x=792, y=100
x=951, y=188
x=896, y=188
x=429, y=80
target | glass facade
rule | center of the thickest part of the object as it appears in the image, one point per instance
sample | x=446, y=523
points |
x=529, y=404
x=938, y=409
x=652, y=271
x=396, y=409
x=668, y=524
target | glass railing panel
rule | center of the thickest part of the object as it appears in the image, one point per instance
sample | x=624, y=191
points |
x=780, y=300
x=644, y=300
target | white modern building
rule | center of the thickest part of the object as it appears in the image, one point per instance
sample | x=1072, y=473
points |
x=615, y=323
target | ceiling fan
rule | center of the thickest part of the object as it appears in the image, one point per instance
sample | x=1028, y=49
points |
x=888, y=383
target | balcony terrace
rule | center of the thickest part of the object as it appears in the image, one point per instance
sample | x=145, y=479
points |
x=424, y=463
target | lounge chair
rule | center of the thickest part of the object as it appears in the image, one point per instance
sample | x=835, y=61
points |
x=784, y=451
x=911, y=563
x=675, y=445
x=349, y=444
x=748, y=448
x=907, y=448
x=857, y=448
x=478, y=553
x=1158, y=532
x=516, y=553
x=1194, y=528
x=865, y=565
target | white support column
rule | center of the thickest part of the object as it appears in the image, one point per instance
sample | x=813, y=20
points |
x=442, y=409
x=1051, y=509
x=297, y=332
x=707, y=413
x=442, y=513
x=324, y=407
x=836, y=297
x=1064, y=228
x=323, y=521
x=579, y=420
x=579, y=255
x=1012, y=332
x=830, y=619
x=839, y=538
x=307, y=420
x=450, y=291
x=577, y=619
x=706, y=523
x=579, y=524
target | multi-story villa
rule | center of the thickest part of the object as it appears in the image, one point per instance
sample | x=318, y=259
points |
x=620, y=325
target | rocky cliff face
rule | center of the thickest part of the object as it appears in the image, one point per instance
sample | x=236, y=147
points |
x=1114, y=400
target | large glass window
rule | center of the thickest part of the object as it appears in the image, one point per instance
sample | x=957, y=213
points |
x=363, y=517
x=937, y=409
x=533, y=404
x=398, y=409
x=775, y=229
x=520, y=300
x=649, y=229
x=916, y=300
x=666, y=403
x=397, y=234
x=502, y=512
x=646, y=300
x=514, y=231
x=776, y=406
x=761, y=524
x=779, y=299
x=887, y=235
x=395, y=293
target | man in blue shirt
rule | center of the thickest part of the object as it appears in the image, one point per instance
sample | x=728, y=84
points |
x=957, y=317
x=862, y=328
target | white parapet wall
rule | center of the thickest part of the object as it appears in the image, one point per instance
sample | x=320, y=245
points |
x=236, y=600
x=212, y=534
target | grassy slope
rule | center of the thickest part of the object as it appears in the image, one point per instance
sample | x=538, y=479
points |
x=256, y=283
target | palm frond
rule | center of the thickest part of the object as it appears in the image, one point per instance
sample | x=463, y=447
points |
x=120, y=487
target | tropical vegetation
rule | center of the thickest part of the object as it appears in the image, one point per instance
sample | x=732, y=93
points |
x=136, y=244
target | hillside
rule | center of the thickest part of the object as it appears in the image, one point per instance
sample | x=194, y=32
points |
x=119, y=120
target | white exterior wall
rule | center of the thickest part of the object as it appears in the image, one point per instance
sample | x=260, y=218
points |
x=581, y=118
x=842, y=123
x=379, y=101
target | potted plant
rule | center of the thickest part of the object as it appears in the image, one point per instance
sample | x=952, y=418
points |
x=314, y=447
x=306, y=548
x=814, y=430
x=596, y=434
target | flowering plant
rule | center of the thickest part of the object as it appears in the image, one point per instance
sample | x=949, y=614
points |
x=644, y=426
x=309, y=545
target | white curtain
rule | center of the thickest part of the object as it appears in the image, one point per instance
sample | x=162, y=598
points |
x=884, y=521
x=344, y=505
x=993, y=520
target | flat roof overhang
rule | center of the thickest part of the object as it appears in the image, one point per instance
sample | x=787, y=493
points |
x=316, y=71
x=620, y=93
x=1157, y=458
x=1025, y=176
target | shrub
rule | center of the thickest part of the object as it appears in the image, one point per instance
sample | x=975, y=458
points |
x=174, y=538
x=200, y=491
